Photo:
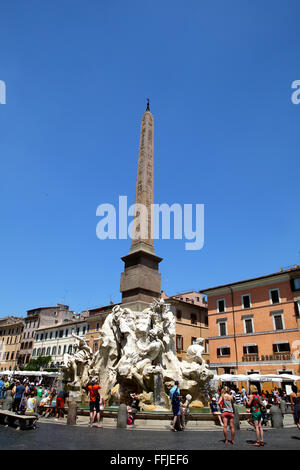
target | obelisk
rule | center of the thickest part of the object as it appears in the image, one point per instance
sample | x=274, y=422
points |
x=141, y=281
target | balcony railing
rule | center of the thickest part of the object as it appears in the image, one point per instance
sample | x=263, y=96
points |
x=267, y=357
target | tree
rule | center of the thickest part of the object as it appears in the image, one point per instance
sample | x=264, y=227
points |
x=39, y=363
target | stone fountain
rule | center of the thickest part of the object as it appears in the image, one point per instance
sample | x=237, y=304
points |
x=137, y=354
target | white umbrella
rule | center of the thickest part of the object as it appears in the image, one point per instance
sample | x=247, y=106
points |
x=265, y=378
x=290, y=377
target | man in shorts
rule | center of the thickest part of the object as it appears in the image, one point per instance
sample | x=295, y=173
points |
x=60, y=403
x=93, y=390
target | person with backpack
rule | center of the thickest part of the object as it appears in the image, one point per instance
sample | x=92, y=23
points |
x=256, y=408
x=175, y=401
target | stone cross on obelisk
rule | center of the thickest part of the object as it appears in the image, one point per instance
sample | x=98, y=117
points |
x=141, y=281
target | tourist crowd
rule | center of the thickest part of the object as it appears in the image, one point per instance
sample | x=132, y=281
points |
x=222, y=405
x=33, y=398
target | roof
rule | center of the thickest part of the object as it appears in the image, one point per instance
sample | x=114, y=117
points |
x=94, y=311
x=45, y=308
x=174, y=299
x=58, y=325
x=281, y=272
x=10, y=320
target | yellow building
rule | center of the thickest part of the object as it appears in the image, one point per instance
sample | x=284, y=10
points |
x=95, y=320
x=191, y=315
x=11, y=329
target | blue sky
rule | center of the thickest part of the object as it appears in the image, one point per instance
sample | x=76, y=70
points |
x=219, y=77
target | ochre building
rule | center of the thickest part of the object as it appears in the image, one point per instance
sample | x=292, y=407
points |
x=11, y=329
x=254, y=324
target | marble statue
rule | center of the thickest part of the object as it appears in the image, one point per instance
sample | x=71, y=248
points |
x=195, y=351
x=74, y=364
x=138, y=353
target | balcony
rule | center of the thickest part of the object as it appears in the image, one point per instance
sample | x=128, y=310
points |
x=266, y=358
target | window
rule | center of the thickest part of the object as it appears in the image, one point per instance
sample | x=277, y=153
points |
x=70, y=349
x=53, y=350
x=50, y=335
x=178, y=314
x=179, y=342
x=296, y=284
x=61, y=333
x=248, y=325
x=198, y=299
x=193, y=341
x=34, y=352
x=222, y=328
x=223, y=351
x=297, y=308
x=39, y=352
x=274, y=296
x=56, y=334
x=221, y=305
x=250, y=349
x=97, y=326
x=193, y=319
x=206, y=319
x=246, y=301
x=278, y=321
x=43, y=351
x=48, y=352
x=66, y=332
x=65, y=348
x=42, y=336
x=281, y=347
x=83, y=330
x=59, y=350
x=12, y=355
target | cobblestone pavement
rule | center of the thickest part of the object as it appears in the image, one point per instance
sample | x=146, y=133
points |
x=57, y=435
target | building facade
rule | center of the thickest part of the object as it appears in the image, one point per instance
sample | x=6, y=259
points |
x=254, y=324
x=57, y=340
x=95, y=320
x=37, y=318
x=191, y=318
x=11, y=330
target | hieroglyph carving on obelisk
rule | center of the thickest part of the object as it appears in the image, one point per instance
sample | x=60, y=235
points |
x=142, y=227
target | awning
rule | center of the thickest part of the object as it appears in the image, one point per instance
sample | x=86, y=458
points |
x=231, y=377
